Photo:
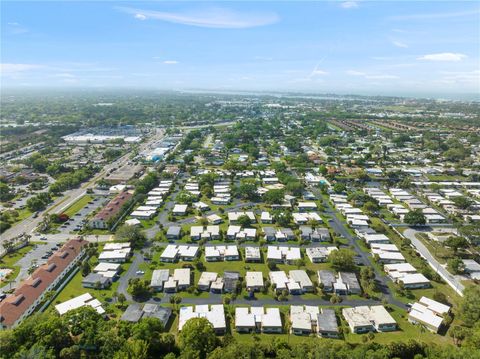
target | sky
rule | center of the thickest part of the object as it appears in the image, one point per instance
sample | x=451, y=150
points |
x=357, y=47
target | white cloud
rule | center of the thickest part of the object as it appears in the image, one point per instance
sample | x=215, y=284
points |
x=211, y=18
x=140, y=17
x=381, y=77
x=443, y=56
x=317, y=72
x=349, y=4
x=356, y=73
x=15, y=68
x=371, y=76
x=461, y=77
x=443, y=15
x=16, y=28
x=170, y=62
x=399, y=44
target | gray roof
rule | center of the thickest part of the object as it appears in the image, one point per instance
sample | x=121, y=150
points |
x=174, y=231
x=93, y=278
x=155, y=311
x=350, y=279
x=306, y=230
x=133, y=313
x=327, y=321
x=230, y=279
x=326, y=277
x=269, y=231
x=159, y=276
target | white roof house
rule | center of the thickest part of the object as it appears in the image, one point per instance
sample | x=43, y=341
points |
x=429, y=313
x=283, y=253
x=301, y=277
x=78, y=302
x=206, y=279
x=436, y=307
x=303, y=318
x=180, y=209
x=252, y=254
x=319, y=254
x=279, y=280
x=221, y=252
x=248, y=319
x=182, y=277
x=254, y=280
x=215, y=314
x=173, y=252
x=364, y=319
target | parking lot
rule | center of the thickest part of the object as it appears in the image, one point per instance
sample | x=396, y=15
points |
x=77, y=221
x=36, y=257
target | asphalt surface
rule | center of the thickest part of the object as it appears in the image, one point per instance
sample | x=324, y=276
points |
x=453, y=281
x=341, y=228
x=29, y=224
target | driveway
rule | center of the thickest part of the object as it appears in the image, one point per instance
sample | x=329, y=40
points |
x=452, y=280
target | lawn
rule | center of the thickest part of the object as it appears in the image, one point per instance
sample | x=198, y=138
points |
x=78, y=205
x=74, y=287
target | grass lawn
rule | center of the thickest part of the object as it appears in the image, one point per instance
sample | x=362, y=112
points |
x=78, y=205
x=74, y=287
x=10, y=259
x=22, y=214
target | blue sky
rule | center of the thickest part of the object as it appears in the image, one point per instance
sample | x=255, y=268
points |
x=346, y=47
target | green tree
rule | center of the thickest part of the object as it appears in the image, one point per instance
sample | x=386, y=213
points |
x=138, y=288
x=342, y=259
x=339, y=187
x=198, y=338
x=462, y=202
x=132, y=234
x=456, y=243
x=274, y=196
x=244, y=221
x=455, y=265
x=133, y=349
x=415, y=217
x=469, y=310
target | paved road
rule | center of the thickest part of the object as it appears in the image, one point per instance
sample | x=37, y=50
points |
x=366, y=259
x=452, y=280
x=29, y=224
x=137, y=259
